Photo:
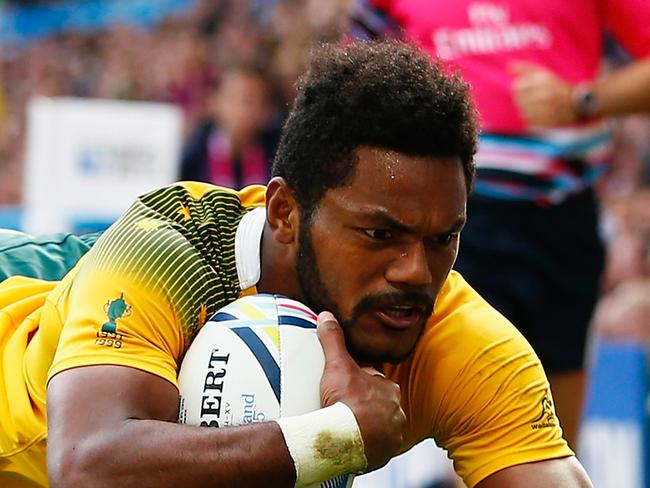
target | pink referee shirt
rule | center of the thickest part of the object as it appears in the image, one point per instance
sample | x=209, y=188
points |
x=484, y=38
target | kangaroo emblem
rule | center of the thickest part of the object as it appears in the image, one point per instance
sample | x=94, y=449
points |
x=547, y=409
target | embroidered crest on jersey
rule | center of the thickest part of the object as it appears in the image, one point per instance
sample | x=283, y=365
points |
x=115, y=310
x=547, y=416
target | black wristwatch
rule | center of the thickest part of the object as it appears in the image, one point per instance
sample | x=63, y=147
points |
x=586, y=104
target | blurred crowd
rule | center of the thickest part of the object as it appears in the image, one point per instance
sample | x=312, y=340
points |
x=624, y=310
x=179, y=61
x=184, y=59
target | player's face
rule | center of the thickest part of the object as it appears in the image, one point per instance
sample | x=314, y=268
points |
x=378, y=250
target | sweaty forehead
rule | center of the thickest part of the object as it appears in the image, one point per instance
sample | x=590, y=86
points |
x=397, y=175
x=408, y=187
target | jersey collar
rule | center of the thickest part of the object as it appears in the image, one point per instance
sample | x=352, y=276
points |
x=247, y=247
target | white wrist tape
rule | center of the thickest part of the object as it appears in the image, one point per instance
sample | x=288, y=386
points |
x=324, y=444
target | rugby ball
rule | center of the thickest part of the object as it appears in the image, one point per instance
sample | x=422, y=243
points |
x=256, y=359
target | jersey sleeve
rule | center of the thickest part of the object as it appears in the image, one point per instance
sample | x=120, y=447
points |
x=117, y=312
x=485, y=396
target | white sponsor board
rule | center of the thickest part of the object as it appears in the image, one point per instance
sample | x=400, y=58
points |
x=612, y=453
x=88, y=159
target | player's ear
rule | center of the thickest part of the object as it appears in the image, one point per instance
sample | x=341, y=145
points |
x=282, y=212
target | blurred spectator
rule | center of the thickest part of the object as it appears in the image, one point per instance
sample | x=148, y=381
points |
x=624, y=313
x=625, y=197
x=235, y=146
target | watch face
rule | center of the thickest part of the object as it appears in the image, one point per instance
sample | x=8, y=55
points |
x=585, y=102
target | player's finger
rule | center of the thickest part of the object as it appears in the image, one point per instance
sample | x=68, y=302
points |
x=331, y=337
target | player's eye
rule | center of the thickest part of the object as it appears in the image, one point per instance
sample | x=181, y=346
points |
x=446, y=239
x=379, y=234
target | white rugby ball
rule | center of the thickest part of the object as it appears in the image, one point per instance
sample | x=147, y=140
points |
x=256, y=359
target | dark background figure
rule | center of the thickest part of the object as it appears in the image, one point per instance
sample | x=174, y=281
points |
x=235, y=144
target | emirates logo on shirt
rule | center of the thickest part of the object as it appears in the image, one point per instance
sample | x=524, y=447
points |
x=491, y=30
x=547, y=416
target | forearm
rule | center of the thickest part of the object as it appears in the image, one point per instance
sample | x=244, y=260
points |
x=546, y=100
x=626, y=90
x=151, y=453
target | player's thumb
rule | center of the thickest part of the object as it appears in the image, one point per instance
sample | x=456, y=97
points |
x=331, y=338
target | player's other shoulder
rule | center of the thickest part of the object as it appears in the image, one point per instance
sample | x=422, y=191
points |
x=465, y=327
x=459, y=304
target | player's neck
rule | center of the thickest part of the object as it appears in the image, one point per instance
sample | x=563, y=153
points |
x=277, y=274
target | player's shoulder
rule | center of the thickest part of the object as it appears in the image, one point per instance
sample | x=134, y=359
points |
x=467, y=353
x=466, y=332
x=458, y=304
x=180, y=217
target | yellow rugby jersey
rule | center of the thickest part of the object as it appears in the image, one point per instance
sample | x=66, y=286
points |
x=135, y=299
x=476, y=386
x=139, y=296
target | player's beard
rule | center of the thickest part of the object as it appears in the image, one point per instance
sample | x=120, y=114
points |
x=317, y=297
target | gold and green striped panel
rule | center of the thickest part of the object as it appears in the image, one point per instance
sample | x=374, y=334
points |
x=180, y=247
